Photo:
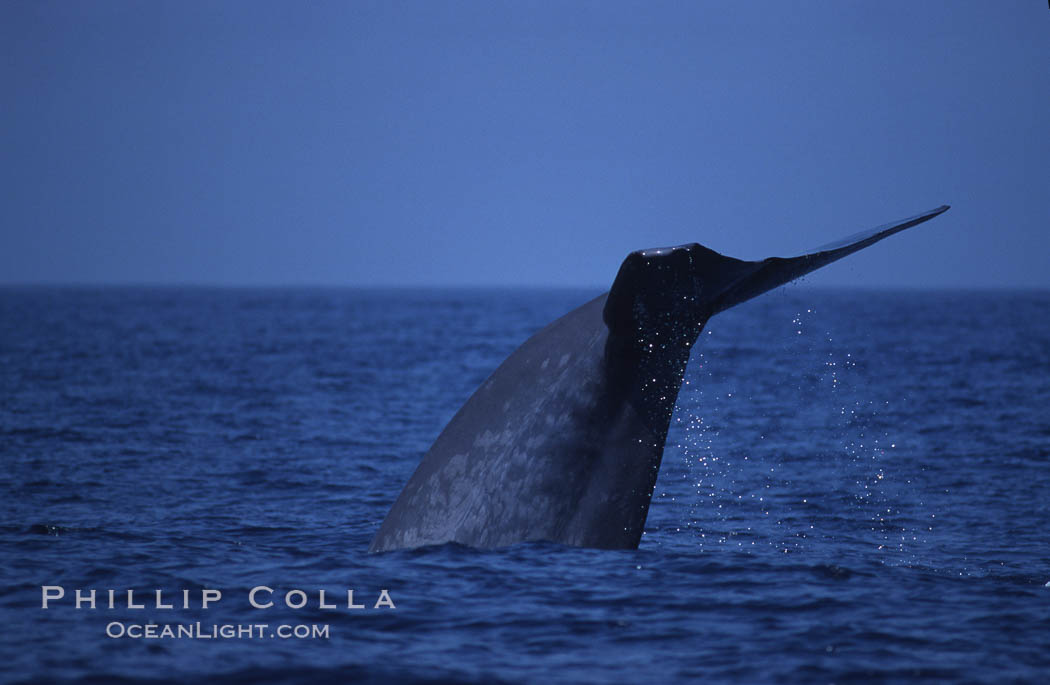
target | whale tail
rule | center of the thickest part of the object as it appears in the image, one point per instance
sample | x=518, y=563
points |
x=675, y=290
x=563, y=441
x=769, y=273
x=685, y=285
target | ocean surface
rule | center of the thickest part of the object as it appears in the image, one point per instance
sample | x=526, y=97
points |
x=856, y=487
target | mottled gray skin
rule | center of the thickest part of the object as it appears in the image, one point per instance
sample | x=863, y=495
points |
x=563, y=441
x=510, y=479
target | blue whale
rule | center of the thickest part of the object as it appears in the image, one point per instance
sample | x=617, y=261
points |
x=563, y=442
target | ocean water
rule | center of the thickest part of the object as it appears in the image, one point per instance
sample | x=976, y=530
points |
x=856, y=487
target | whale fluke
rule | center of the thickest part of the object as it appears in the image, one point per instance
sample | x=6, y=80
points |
x=563, y=441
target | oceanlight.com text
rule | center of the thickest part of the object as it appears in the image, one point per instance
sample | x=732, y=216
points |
x=216, y=631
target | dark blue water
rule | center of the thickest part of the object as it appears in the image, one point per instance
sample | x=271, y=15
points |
x=856, y=487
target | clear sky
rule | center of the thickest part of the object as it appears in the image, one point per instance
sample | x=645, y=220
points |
x=518, y=143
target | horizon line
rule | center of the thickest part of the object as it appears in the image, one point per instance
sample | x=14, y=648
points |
x=218, y=285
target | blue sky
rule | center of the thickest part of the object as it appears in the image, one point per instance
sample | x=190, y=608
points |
x=518, y=143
